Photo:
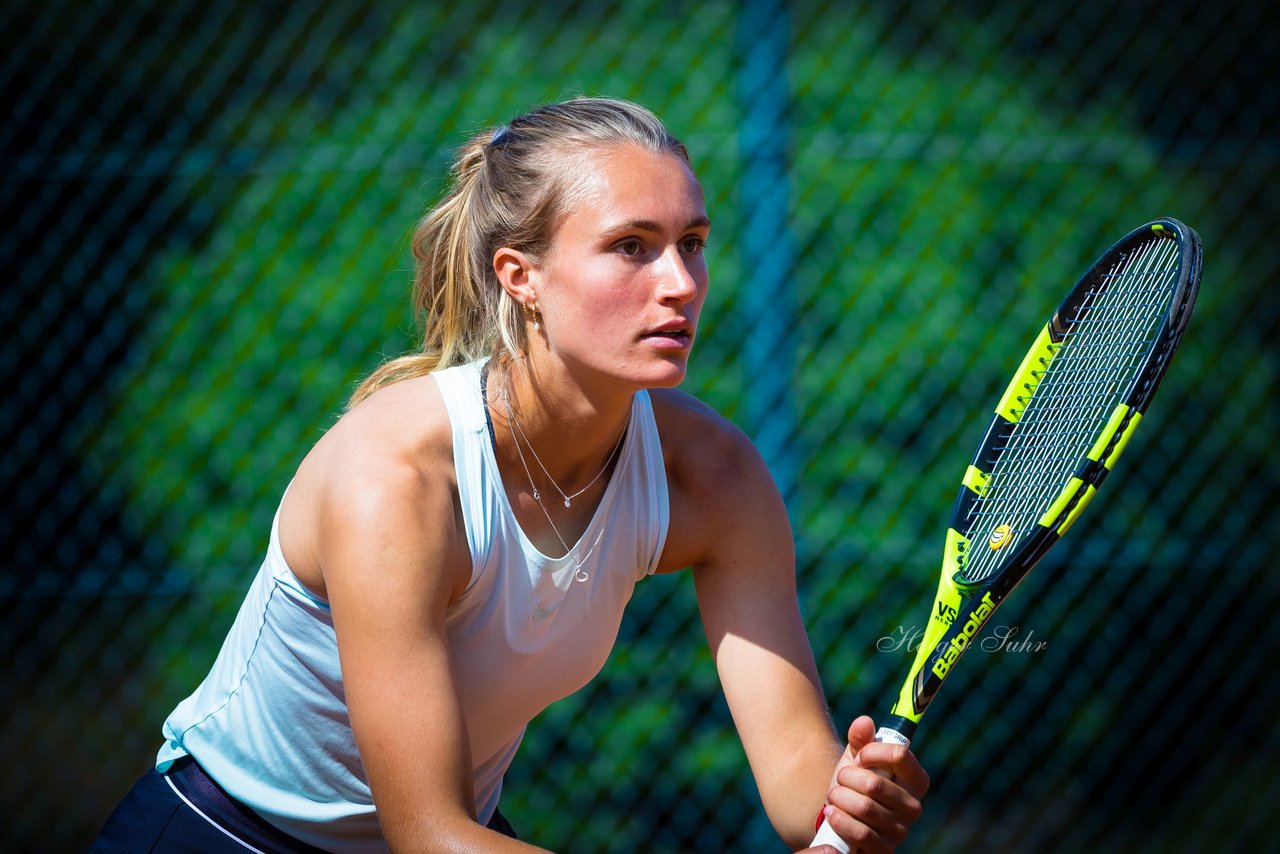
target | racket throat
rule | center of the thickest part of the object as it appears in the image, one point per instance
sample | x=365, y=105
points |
x=895, y=729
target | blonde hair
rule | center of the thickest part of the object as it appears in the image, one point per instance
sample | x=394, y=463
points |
x=509, y=187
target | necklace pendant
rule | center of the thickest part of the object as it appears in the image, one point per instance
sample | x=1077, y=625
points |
x=566, y=502
x=536, y=495
x=581, y=575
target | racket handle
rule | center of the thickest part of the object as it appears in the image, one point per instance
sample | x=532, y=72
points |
x=827, y=836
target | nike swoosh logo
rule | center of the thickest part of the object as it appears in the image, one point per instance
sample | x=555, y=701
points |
x=543, y=612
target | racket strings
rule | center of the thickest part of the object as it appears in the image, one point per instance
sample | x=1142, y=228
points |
x=1093, y=366
x=1082, y=385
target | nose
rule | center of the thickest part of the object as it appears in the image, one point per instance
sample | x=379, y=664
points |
x=677, y=281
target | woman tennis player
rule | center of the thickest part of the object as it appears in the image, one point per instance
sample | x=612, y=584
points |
x=455, y=554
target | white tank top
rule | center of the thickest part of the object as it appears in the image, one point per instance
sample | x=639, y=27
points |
x=269, y=723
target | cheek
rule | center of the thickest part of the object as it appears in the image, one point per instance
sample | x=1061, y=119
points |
x=602, y=309
x=704, y=286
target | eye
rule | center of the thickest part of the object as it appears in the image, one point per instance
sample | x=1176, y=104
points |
x=630, y=247
x=692, y=244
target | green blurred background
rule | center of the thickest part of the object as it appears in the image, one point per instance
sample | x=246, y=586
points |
x=206, y=215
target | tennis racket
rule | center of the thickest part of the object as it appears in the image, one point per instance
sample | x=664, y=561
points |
x=1065, y=418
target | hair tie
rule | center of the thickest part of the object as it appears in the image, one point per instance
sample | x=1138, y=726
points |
x=499, y=137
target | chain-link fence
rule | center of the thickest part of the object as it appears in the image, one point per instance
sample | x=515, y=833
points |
x=206, y=209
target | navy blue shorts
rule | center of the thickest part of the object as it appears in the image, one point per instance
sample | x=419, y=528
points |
x=184, y=810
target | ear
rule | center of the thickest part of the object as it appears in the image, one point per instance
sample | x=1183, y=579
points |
x=518, y=274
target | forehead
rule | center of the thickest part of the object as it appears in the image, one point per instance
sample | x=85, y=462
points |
x=628, y=183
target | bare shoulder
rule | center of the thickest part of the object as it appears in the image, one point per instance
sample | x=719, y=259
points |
x=703, y=449
x=716, y=479
x=382, y=475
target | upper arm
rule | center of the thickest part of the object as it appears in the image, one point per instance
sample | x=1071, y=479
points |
x=746, y=588
x=384, y=536
x=386, y=553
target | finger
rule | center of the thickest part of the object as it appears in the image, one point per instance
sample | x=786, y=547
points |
x=858, y=834
x=894, y=805
x=899, y=762
x=867, y=810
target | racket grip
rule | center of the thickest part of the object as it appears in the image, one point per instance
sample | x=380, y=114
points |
x=827, y=836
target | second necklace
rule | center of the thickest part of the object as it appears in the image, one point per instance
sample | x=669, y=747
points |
x=568, y=499
x=580, y=574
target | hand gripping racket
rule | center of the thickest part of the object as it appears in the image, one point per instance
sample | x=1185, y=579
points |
x=1065, y=418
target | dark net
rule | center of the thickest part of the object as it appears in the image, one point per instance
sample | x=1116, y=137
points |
x=206, y=210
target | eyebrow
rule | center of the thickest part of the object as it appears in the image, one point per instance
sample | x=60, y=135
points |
x=651, y=226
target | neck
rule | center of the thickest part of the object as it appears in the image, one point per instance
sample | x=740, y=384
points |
x=574, y=431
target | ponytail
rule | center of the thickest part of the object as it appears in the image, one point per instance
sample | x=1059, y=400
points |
x=448, y=303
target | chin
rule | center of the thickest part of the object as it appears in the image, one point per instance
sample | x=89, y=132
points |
x=645, y=372
x=668, y=376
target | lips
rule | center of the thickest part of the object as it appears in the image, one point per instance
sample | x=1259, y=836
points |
x=676, y=330
x=676, y=339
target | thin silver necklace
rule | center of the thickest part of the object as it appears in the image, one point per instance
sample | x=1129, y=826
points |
x=568, y=499
x=579, y=574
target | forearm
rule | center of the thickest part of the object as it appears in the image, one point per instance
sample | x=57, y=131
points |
x=796, y=791
x=461, y=836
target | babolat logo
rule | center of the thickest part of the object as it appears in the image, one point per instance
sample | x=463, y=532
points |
x=972, y=626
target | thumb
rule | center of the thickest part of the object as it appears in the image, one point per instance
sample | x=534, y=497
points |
x=861, y=733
